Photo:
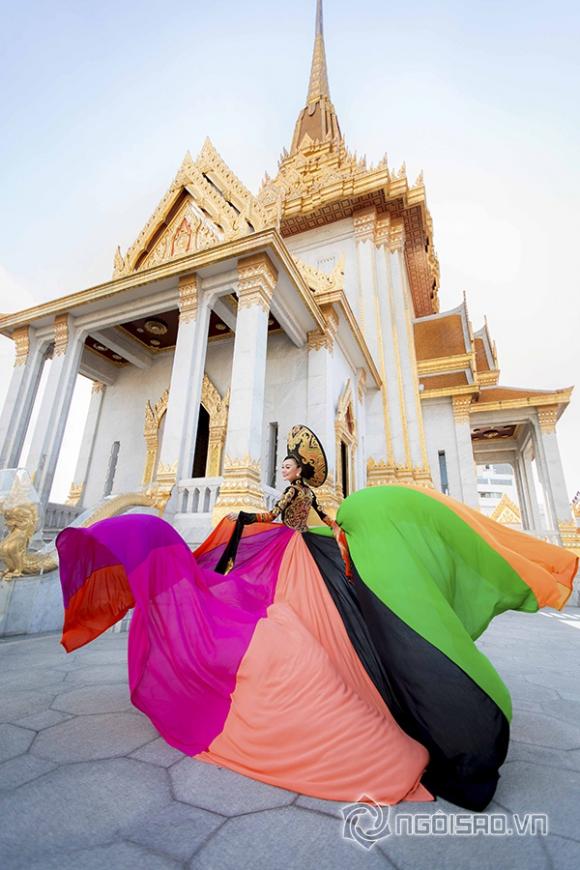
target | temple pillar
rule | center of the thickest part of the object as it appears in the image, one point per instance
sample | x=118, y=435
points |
x=321, y=410
x=55, y=407
x=22, y=390
x=242, y=485
x=182, y=415
x=530, y=498
x=76, y=493
x=380, y=468
x=552, y=475
x=466, y=461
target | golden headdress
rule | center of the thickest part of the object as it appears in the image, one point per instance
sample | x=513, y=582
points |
x=303, y=443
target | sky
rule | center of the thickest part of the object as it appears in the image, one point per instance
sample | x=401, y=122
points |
x=101, y=101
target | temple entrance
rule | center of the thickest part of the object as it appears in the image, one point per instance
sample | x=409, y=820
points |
x=201, y=444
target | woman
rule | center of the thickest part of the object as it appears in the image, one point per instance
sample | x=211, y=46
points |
x=286, y=672
x=306, y=461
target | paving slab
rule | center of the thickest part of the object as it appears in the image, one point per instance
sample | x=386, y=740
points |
x=87, y=782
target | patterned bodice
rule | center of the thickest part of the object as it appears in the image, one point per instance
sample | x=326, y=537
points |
x=294, y=506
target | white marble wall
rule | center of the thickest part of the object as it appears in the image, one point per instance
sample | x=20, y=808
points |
x=439, y=425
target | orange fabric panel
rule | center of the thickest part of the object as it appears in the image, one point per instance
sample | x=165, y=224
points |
x=103, y=599
x=305, y=716
x=548, y=570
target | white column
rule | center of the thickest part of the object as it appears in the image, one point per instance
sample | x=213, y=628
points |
x=51, y=422
x=182, y=416
x=529, y=490
x=321, y=411
x=467, y=467
x=15, y=417
x=552, y=471
x=372, y=283
x=242, y=486
x=77, y=490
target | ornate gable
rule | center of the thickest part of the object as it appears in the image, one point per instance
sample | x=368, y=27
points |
x=205, y=205
x=507, y=512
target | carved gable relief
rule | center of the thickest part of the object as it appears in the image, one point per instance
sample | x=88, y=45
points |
x=188, y=232
x=217, y=209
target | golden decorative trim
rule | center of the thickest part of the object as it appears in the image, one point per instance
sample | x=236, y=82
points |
x=361, y=385
x=322, y=282
x=186, y=265
x=417, y=397
x=383, y=367
x=488, y=379
x=215, y=207
x=241, y=488
x=364, y=223
x=381, y=473
x=21, y=339
x=153, y=417
x=75, y=493
x=397, y=236
x=561, y=397
x=548, y=417
x=506, y=512
x=569, y=533
x=446, y=363
x=61, y=334
x=318, y=339
x=461, y=408
x=217, y=408
x=383, y=229
x=188, y=298
x=345, y=428
x=257, y=280
x=397, y=354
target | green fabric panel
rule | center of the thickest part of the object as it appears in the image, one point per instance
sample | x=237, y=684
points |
x=435, y=572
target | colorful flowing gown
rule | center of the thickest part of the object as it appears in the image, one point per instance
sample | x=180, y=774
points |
x=289, y=673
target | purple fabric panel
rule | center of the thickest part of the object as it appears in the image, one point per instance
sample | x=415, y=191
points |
x=190, y=628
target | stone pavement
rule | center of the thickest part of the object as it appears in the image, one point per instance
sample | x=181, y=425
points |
x=86, y=782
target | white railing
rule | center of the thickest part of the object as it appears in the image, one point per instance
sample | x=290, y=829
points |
x=59, y=516
x=197, y=495
x=271, y=496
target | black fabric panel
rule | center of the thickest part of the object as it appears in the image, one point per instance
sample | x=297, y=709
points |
x=430, y=697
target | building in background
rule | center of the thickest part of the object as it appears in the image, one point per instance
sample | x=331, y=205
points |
x=235, y=315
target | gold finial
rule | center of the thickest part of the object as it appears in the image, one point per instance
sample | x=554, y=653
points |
x=318, y=86
x=317, y=122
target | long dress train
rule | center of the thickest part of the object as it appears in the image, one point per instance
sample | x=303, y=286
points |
x=287, y=672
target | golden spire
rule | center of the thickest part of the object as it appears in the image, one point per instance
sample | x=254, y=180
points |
x=317, y=121
x=318, y=86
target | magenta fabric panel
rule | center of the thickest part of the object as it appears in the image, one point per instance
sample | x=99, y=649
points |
x=191, y=627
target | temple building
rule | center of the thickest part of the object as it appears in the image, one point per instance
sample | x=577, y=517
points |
x=235, y=315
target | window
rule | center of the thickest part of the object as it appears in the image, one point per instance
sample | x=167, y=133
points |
x=112, y=468
x=272, y=454
x=344, y=469
x=443, y=473
x=201, y=444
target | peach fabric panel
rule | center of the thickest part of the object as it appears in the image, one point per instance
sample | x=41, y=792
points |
x=548, y=570
x=305, y=716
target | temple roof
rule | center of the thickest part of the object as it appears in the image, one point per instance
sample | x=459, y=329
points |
x=441, y=336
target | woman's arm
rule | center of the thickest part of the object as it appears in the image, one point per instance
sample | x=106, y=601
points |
x=339, y=535
x=287, y=496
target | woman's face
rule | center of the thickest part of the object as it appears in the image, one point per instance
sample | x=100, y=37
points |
x=290, y=470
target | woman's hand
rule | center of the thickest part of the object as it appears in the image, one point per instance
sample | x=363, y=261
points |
x=233, y=517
